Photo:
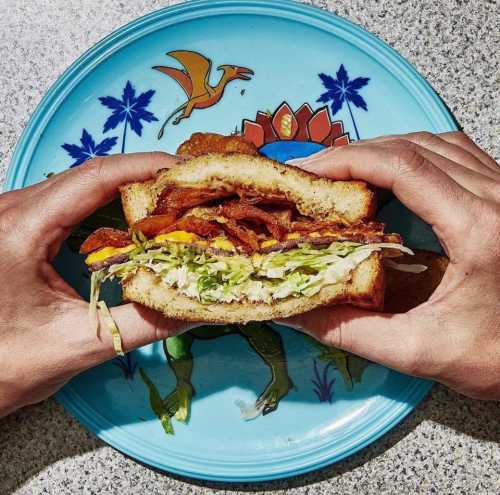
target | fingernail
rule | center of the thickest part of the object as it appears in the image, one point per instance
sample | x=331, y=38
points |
x=307, y=159
x=295, y=162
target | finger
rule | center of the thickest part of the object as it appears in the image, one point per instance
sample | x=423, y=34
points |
x=421, y=186
x=71, y=196
x=447, y=146
x=478, y=183
x=463, y=141
x=137, y=324
x=391, y=340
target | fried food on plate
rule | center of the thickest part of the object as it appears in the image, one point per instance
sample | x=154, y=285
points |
x=203, y=143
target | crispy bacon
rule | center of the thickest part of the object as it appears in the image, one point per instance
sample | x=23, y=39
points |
x=154, y=224
x=266, y=201
x=195, y=225
x=284, y=216
x=246, y=236
x=366, y=238
x=105, y=237
x=309, y=226
x=182, y=198
x=241, y=210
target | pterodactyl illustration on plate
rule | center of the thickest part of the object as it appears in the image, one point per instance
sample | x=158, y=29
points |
x=195, y=81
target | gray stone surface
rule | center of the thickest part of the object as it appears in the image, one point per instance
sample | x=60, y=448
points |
x=450, y=444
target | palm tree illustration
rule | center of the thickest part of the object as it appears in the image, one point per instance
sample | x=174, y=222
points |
x=131, y=109
x=342, y=89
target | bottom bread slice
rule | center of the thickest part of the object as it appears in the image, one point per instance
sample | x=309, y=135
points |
x=365, y=289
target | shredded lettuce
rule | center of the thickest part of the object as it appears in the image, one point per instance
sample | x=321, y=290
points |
x=211, y=278
x=404, y=267
x=96, y=280
x=113, y=328
x=95, y=286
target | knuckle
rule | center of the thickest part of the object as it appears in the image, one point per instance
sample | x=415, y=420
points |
x=339, y=336
x=414, y=356
x=8, y=223
x=460, y=138
x=403, y=144
x=92, y=169
x=409, y=161
x=5, y=200
x=492, y=190
x=158, y=155
x=426, y=137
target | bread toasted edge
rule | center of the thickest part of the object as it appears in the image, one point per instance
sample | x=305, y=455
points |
x=365, y=289
x=321, y=198
x=138, y=200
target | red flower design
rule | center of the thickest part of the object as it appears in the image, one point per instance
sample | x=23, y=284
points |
x=302, y=125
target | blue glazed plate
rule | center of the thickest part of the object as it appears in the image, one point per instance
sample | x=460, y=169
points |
x=293, y=80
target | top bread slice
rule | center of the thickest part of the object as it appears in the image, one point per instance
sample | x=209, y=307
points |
x=346, y=201
x=322, y=199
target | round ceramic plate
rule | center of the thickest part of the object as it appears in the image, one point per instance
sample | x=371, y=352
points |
x=235, y=405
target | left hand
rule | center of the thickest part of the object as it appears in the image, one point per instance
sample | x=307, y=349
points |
x=45, y=334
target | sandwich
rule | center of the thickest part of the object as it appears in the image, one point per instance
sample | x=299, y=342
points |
x=233, y=238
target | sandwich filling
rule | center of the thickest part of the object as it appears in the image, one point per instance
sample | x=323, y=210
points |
x=216, y=246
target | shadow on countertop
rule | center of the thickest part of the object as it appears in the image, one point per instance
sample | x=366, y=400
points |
x=36, y=437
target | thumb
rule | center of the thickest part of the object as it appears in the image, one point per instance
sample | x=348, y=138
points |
x=71, y=196
x=388, y=339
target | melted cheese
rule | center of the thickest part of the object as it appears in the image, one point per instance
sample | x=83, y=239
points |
x=177, y=236
x=222, y=243
x=181, y=236
x=107, y=252
x=269, y=243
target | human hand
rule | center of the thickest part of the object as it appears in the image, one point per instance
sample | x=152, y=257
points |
x=45, y=334
x=454, y=186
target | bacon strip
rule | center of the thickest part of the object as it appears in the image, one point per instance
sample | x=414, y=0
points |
x=284, y=217
x=267, y=201
x=154, y=224
x=312, y=226
x=105, y=237
x=246, y=236
x=241, y=210
x=195, y=225
x=182, y=198
x=366, y=238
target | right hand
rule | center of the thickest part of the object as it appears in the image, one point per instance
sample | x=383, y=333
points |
x=454, y=186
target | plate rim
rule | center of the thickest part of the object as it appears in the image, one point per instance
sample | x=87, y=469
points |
x=300, y=464
x=439, y=116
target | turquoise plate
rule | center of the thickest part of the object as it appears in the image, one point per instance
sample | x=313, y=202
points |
x=293, y=79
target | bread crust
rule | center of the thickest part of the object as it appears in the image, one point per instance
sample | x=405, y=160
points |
x=365, y=289
x=346, y=201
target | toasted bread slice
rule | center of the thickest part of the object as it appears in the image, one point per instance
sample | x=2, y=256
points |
x=365, y=289
x=322, y=199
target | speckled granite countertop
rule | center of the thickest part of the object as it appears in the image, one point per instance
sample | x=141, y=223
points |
x=449, y=444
